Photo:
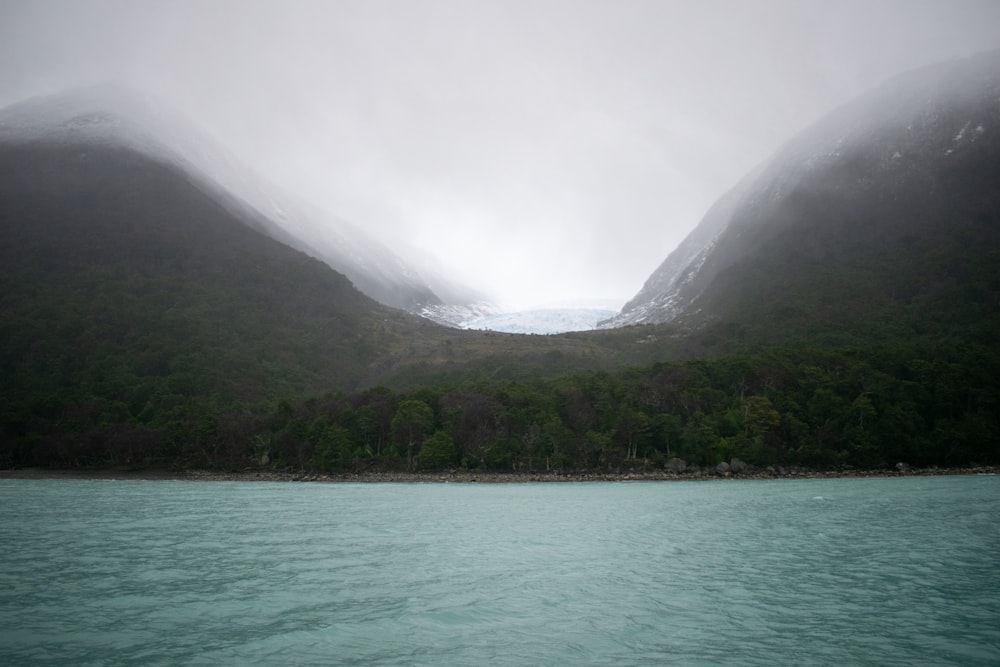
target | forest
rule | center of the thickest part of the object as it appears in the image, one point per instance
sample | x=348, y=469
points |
x=925, y=405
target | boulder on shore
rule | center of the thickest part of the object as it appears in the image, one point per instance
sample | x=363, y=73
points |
x=676, y=465
x=737, y=466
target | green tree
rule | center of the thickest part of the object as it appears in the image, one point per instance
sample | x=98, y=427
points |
x=438, y=452
x=759, y=416
x=632, y=427
x=556, y=439
x=413, y=421
x=333, y=448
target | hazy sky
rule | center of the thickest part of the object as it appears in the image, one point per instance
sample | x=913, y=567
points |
x=542, y=150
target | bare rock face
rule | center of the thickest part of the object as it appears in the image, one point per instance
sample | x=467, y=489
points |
x=723, y=469
x=738, y=466
x=676, y=465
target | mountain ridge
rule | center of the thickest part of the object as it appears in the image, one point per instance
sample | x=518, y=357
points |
x=109, y=114
x=899, y=140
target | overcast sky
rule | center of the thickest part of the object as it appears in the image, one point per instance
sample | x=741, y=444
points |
x=543, y=151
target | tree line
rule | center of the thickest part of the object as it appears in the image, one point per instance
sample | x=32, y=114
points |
x=927, y=405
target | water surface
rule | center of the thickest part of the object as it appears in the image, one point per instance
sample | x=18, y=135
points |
x=899, y=571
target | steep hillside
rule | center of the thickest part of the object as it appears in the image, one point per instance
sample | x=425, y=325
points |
x=112, y=116
x=883, y=218
x=116, y=268
x=139, y=311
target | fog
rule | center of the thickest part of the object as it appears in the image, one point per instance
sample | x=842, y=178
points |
x=543, y=151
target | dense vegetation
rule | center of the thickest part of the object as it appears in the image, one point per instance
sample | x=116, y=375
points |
x=922, y=405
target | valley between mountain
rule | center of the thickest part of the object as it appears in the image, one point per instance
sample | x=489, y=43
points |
x=837, y=310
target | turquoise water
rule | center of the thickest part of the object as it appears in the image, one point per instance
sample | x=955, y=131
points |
x=897, y=571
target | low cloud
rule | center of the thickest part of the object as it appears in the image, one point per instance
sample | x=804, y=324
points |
x=544, y=149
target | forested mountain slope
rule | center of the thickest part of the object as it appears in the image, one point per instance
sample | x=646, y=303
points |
x=108, y=115
x=108, y=253
x=882, y=220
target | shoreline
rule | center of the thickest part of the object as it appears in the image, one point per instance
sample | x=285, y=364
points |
x=479, y=477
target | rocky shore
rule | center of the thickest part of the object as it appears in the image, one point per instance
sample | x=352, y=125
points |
x=471, y=476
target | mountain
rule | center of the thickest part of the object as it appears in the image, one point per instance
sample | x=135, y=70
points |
x=148, y=319
x=151, y=318
x=117, y=268
x=884, y=216
x=110, y=115
x=148, y=313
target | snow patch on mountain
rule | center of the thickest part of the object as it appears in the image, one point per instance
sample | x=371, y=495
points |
x=485, y=316
x=661, y=299
x=542, y=321
x=458, y=316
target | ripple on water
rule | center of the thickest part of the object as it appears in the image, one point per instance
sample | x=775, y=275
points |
x=877, y=572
